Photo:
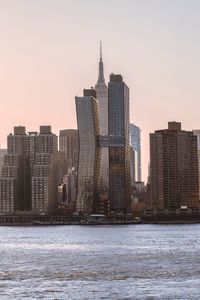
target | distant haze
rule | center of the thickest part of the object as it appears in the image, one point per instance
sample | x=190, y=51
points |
x=50, y=50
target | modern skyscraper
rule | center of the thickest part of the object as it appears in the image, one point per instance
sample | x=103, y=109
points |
x=119, y=155
x=89, y=152
x=173, y=168
x=135, y=142
x=68, y=145
x=44, y=179
x=102, y=97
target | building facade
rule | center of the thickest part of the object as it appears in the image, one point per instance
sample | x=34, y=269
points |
x=132, y=166
x=15, y=177
x=196, y=132
x=44, y=178
x=119, y=156
x=89, y=152
x=3, y=152
x=173, y=168
x=68, y=145
x=68, y=188
x=135, y=142
x=28, y=178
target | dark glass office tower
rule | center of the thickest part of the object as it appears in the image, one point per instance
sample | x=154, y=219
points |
x=119, y=156
x=89, y=152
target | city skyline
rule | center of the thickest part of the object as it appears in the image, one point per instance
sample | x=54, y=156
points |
x=45, y=61
x=99, y=149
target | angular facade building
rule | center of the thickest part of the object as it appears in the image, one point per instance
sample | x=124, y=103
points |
x=135, y=142
x=119, y=156
x=102, y=97
x=89, y=152
x=173, y=168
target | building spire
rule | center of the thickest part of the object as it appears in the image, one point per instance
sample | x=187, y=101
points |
x=101, y=72
x=100, y=50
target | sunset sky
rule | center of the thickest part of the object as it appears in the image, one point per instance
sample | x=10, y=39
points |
x=49, y=52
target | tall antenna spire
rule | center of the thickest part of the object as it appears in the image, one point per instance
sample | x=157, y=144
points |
x=101, y=73
x=100, y=50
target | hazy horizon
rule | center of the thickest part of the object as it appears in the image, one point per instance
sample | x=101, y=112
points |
x=50, y=53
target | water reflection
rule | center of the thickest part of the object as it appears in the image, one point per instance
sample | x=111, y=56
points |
x=108, y=262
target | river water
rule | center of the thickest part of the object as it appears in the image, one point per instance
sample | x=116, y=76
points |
x=100, y=262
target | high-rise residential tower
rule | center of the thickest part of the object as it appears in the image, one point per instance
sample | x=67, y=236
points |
x=119, y=154
x=44, y=177
x=102, y=97
x=15, y=187
x=174, y=168
x=89, y=152
x=28, y=181
x=135, y=141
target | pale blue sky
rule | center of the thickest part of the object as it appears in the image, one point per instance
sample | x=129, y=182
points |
x=49, y=53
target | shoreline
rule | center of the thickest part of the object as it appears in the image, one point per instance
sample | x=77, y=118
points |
x=57, y=220
x=177, y=222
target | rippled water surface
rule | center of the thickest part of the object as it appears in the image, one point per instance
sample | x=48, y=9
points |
x=100, y=262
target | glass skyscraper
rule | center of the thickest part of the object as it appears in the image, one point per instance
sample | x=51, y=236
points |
x=119, y=155
x=89, y=152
